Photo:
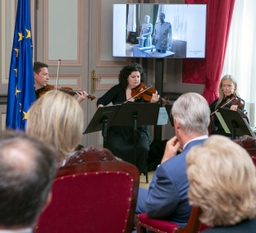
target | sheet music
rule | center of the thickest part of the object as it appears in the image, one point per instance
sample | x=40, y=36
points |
x=162, y=116
x=222, y=122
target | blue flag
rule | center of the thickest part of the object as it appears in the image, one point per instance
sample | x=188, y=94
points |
x=21, y=90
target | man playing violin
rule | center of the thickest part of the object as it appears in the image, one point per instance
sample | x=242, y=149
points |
x=41, y=77
x=227, y=99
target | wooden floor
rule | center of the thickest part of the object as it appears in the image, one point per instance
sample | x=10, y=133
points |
x=143, y=183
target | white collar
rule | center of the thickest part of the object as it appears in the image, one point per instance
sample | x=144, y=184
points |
x=195, y=139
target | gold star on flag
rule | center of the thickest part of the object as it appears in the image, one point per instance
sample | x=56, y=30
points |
x=25, y=116
x=20, y=36
x=17, y=52
x=16, y=92
x=16, y=71
x=28, y=33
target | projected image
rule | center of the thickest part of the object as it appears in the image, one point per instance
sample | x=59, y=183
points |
x=159, y=30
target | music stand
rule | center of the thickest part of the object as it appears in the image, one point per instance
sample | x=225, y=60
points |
x=211, y=125
x=102, y=119
x=169, y=112
x=134, y=114
x=235, y=123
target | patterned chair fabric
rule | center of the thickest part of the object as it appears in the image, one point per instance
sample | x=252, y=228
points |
x=93, y=192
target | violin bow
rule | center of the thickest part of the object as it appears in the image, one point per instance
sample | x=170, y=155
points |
x=57, y=78
x=231, y=99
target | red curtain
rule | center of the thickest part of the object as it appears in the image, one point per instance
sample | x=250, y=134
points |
x=208, y=71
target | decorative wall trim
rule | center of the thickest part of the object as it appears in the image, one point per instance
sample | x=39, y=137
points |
x=67, y=80
x=8, y=15
x=3, y=119
x=99, y=36
x=106, y=82
x=79, y=59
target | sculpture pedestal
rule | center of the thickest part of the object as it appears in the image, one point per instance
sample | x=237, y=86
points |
x=140, y=51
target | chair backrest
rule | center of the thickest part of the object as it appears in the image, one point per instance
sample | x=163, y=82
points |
x=249, y=144
x=94, y=192
x=193, y=224
x=143, y=222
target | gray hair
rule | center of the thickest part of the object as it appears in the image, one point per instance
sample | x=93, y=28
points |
x=193, y=113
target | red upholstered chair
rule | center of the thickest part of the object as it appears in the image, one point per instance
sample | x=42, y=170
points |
x=94, y=192
x=143, y=222
x=249, y=144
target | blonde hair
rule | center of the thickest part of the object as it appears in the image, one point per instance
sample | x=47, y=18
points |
x=221, y=94
x=56, y=118
x=222, y=181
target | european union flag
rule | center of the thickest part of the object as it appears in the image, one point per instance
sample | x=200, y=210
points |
x=21, y=90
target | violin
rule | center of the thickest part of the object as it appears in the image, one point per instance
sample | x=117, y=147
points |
x=232, y=100
x=235, y=100
x=144, y=92
x=67, y=90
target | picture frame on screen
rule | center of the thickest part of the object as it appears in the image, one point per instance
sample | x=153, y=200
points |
x=159, y=30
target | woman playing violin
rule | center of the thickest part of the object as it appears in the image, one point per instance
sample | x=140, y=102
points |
x=227, y=99
x=41, y=77
x=120, y=140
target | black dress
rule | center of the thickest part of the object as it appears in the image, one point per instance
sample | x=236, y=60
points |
x=120, y=139
x=218, y=128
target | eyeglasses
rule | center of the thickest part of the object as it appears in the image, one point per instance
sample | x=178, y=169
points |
x=228, y=86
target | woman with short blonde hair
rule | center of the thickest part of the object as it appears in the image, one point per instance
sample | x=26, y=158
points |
x=222, y=180
x=56, y=118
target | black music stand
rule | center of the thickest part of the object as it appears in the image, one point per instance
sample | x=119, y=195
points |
x=235, y=123
x=211, y=125
x=134, y=114
x=169, y=112
x=102, y=120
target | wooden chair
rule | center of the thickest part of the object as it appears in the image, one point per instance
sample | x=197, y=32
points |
x=93, y=192
x=249, y=144
x=143, y=222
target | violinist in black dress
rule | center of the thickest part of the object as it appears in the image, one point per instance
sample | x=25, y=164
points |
x=227, y=99
x=120, y=139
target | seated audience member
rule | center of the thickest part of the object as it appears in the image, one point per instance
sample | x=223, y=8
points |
x=27, y=171
x=167, y=195
x=56, y=118
x=222, y=181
